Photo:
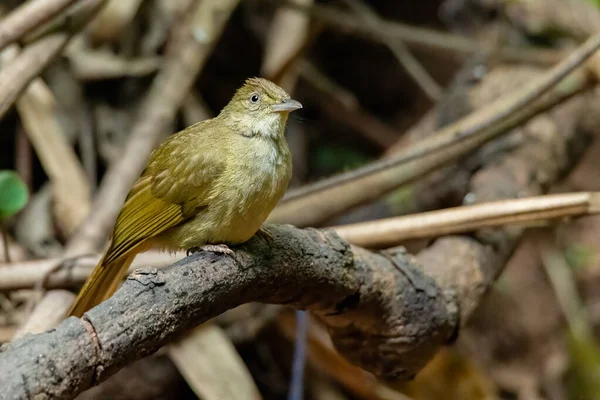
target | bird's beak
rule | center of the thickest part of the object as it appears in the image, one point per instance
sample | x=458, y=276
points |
x=286, y=106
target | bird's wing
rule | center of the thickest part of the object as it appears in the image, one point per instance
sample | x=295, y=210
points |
x=173, y=187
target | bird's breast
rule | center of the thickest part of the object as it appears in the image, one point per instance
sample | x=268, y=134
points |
x=256, y=181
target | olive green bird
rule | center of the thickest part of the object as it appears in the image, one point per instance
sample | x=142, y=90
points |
x=211, y=185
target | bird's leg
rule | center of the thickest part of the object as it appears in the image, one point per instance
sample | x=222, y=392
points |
x=214, y=248
x=265, y=234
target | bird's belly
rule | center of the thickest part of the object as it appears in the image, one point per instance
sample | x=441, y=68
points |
x=248, y=209
x=232, y=218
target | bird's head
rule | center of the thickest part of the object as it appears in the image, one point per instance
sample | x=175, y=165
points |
x=259, y=107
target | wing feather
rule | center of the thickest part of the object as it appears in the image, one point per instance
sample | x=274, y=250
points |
x=171, y=189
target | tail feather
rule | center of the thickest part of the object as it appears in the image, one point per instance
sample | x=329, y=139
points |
x=103, y=282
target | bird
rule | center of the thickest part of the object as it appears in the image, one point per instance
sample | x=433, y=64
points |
x=205, y=188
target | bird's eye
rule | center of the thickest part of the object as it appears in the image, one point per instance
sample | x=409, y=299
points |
x=254, y=98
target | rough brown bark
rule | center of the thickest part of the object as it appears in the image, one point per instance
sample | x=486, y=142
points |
x=389, y=318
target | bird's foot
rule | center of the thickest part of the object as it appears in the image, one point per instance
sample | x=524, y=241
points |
x=265, y=234
x=214, y=248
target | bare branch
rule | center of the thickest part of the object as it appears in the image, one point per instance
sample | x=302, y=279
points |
x=26, y=274
x=389, y=318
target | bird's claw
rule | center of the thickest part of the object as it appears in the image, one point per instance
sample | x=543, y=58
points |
x=265, y=234
x=214, y=248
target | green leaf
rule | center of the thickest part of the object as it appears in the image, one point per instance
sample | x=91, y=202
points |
x=13, y=194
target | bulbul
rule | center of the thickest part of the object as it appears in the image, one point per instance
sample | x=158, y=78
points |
x=210, y=185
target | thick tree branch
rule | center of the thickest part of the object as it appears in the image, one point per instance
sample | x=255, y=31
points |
x=389, y=318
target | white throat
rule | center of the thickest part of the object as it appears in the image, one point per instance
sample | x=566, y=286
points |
x=269, y=126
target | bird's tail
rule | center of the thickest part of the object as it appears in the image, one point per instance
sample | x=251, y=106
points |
x=103, y=282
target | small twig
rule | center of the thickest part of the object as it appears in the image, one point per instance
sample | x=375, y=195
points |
x=410, y=63
x=87, y=146
x=533, y=210
x=373, y=234
x=99, y=64
x=312, y=204
x=26, y=274
x=28, y=17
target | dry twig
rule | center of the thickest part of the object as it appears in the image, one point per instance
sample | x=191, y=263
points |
x=28, y=17
x=211, y=365
x=524, y=212
x=25, y=274
x=91, y=65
